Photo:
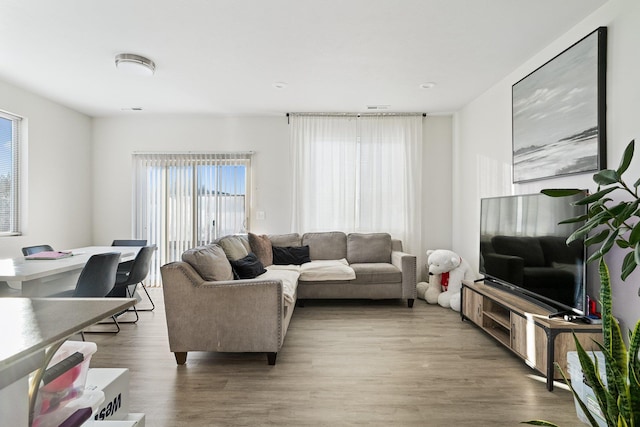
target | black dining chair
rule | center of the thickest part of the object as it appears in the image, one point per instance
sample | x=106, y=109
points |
x=127, y=281
x=125, y=267
x=30, y=250
x=96, y=280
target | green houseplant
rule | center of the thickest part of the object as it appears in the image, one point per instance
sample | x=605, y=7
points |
x=610, y=222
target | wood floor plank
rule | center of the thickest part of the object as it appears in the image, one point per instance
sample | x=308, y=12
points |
x=344, y=363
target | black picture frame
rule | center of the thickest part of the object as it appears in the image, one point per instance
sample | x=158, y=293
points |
x=559, y=113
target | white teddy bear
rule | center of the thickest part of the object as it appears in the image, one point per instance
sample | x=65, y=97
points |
x=447, y=270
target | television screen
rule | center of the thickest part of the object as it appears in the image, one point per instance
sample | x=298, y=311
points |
x=523, y=248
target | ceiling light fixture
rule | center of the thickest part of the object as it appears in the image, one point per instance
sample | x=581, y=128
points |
x=427, y=85
x=135, y=64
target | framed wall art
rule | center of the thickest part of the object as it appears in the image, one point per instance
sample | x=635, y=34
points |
x=558, y=113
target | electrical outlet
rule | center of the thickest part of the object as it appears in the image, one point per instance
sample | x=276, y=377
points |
x=260, y=215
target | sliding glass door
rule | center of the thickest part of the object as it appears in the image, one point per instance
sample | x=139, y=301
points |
x=187, y=200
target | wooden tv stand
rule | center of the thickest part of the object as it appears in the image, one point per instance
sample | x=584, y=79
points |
x=525, y=328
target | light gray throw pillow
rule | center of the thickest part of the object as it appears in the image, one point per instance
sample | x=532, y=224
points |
x=234, y=247
x=210, y=262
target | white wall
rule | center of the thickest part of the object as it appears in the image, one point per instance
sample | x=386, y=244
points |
x=482, y=139
x=57, y=175
x=437, y=187
x=115, y=139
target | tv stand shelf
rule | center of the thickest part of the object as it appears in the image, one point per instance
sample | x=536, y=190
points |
x=525, y=327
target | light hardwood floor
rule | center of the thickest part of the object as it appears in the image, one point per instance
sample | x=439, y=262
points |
x=343, y=363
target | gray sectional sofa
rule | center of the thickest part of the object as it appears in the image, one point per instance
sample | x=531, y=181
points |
x=239, y=294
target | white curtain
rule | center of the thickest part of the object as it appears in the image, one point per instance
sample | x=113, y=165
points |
x=358, y=173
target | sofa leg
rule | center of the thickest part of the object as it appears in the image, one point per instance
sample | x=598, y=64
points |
x=181, y=357
x=271, y=358
x=410, y=302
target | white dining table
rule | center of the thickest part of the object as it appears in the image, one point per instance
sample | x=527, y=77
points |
x=46, y=277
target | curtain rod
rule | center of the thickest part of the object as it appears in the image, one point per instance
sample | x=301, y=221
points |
x=353, y=114
x=196, y=152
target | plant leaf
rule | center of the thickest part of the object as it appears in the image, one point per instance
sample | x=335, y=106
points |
x=597, y=238
x=626, y=158
x=606, y=177
x=634, y=237
x=606, y=245
x=628, y=265
x=590, y=372
x=623, y=244
x=595, y=196
x=580, y=218
x=634, y=372
x=540, y=423
x=561, y=192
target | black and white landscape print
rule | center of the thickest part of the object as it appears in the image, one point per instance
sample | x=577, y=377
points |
x=555, y=115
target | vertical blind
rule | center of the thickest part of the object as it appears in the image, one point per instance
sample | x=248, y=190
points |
x=9, y=174
x=183, y=200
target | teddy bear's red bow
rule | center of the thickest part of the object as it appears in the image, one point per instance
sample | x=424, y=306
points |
x=444, y=281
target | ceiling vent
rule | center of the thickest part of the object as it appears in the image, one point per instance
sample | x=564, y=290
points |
x=378, y=107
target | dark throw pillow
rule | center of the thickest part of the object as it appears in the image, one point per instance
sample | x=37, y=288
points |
x=248, y=267
x=296, y=255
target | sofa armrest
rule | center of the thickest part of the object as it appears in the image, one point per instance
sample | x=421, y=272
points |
x=235, y=315
x=407, y=264
x=506, y=267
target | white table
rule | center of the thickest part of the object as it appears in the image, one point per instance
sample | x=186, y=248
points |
x=41, y=278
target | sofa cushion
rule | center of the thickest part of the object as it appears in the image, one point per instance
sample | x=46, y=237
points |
x=248, y=267
x=370, y=247
x=374, y=273
x=289, y=281
x=292, y=239
x=233, y=246
x=527, y=248
x=261, y=246
x=326, y=269
x=556, y=250
x=329, y=245
x=296, y=255
x=210, y=262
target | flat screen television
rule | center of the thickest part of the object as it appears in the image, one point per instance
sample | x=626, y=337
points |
x=523, y=250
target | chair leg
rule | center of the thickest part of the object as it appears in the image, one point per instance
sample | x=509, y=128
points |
x=130, y=294
x=149, y=297
x=115, y=322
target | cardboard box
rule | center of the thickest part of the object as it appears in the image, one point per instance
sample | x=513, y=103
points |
x=131, y=420
x=114, y=382
x=583, y=389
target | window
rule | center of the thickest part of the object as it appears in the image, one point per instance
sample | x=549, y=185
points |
x=187, y=200
x=358, y=173
x=9, y=174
